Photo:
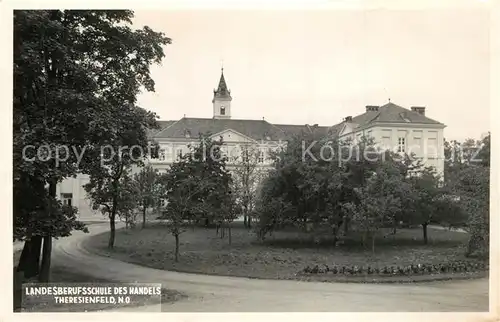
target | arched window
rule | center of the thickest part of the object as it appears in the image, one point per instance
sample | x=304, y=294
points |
x=222, y=110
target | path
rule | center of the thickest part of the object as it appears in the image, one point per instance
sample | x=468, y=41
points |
x=219, y=294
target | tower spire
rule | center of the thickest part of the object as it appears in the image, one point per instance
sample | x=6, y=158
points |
x=222, y=99
x=222, y=90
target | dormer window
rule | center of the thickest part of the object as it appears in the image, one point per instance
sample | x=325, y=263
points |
x=222, y=110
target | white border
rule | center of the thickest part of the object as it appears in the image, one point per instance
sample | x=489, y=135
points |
x=6, y=160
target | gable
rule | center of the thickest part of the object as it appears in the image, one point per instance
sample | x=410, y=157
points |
x=347, y=129
x=231, y=135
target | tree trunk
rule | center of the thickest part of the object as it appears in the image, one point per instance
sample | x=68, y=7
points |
x=346, y=227
x=47, y=240
x=334, y=233
x=229, y=232
x=249, y=221
x=176, y=247
x=144, y=216
x=111, y=242
x=245, y=218
x=373, y=243
x=30, y=257
x=424, y=229
x=46, y=259
x=18, y=290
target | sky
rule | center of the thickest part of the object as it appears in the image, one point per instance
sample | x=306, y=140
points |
x=317, y=67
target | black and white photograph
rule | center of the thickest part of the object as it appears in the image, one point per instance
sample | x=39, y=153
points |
x=181, y=160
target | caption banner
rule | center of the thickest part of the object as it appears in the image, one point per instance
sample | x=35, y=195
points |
x=85, y=297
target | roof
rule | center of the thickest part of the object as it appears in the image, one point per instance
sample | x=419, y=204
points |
x=293, y=129
x=222, y=90
x=162, y=125
x=391, y=113
x=263, y=130
x=255, y=129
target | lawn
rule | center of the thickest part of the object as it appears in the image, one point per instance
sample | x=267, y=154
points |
x=281, y=256
x=59, y=275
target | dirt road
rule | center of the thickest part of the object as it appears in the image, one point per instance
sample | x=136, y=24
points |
x=231, y=294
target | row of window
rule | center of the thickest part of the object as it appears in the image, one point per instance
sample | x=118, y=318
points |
x=162, y=156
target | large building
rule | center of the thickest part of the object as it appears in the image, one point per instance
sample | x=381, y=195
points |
x=391, y=126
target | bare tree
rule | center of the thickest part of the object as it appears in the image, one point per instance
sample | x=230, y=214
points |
x=247, y=174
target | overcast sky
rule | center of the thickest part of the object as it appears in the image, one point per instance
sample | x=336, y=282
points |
x=317, y=67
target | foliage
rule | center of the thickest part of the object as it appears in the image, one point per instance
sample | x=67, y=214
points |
x=355, y=186
x=473, y=187
x=147, y=189
x=247, y=176
x=380, y=200
x=409, y=270
x=197, y=187
x=467, y=178
x=73, y=71
x=109, y=166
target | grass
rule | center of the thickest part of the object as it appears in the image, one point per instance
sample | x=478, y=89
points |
x=59, y=275
x=280, y=256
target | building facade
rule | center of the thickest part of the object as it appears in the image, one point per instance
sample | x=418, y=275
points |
x=400, y=130
x=390, y=125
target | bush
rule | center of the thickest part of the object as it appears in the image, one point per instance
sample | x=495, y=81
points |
x=419, y=269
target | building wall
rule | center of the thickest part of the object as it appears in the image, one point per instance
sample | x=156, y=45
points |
x=79, y=198
x=426, y=142
x=217, y=105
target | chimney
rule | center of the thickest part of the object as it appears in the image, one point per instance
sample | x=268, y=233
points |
x=372, y=108
x=418, y=109
x=348, y=118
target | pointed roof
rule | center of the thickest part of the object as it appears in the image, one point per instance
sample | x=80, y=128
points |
x=222, y=90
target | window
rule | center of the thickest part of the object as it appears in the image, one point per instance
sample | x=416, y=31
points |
x=222, y=110
x=261, y=157
x=162, y=202
x=67, y=199
x=179, y=154
x=401, y=144
x=161, y=155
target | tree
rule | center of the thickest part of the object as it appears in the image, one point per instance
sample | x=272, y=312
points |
x=208, y=164
x=183, y=192
x=247, y=175
x=71, y=67
x=473, y=190
x=228, y=211
x=197, y=187
x=109, y=167
x=467, y=179
x=304, y=189
x=147, y=189
x=380, y=200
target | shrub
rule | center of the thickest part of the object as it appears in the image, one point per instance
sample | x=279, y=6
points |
x=418, y=269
